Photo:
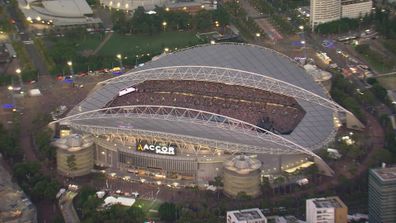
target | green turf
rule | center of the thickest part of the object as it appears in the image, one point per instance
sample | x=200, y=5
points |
x=90, y=42
x=388, y=82
x=143, y=44
x=148, y=205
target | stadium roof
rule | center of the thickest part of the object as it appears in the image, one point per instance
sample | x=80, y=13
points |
x=238, y=64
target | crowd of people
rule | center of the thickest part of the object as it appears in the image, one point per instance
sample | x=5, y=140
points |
x=265, y=109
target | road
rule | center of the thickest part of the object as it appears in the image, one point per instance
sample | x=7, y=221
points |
x=24, y=34
x=67, y=208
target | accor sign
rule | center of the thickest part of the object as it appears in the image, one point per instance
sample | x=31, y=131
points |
x=157, y=149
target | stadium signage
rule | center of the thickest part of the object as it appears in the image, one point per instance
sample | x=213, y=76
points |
x=157, y=149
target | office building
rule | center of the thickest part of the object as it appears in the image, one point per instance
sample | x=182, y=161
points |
x=326, y=210
x=323, y=11
x=355, y=8
x=253, y=215
x=382, y=195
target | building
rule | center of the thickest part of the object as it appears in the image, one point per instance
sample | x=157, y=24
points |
x=15, y=206
x=382, y=195
x=323, y=11
x=58, y=12
x=355, y=8
x=326, y=210
x=189, y=6
x=187, y=112
x=74, y=155
x=242, y=174
x=253, y=215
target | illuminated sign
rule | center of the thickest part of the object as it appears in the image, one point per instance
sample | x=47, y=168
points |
x=126, y=91
x=156, y=148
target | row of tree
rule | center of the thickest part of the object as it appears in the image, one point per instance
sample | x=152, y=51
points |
x=165, y=20
x=28, y=174
x=382, y=19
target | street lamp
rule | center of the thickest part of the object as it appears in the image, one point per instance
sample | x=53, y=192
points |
x=303, y=42
x=119, y=56
x=166, y=50
x=10, y=88
x=164, y=23
x=258, y=34
x=70, y=64
x=217, y=23
x=18, y=71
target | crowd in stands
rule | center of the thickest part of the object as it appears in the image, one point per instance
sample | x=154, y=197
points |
x=274, y=112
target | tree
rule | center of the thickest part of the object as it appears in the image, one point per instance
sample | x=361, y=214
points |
x=71, y=162
x=43, y=140
x=167, y=212
x=24, y=171
x=203, y=20
x=243, y=196
x=221, y=15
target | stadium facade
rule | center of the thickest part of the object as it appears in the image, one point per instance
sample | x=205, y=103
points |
x=184, y=114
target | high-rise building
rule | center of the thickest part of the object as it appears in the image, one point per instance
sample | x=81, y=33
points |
x=326, y=210
x=355, y=8
x=323, y=11
x=382, y=195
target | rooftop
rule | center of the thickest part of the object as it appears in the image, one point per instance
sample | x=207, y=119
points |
x=328, y=202
x=386, y=174
x=248, y=214
x=15, y=206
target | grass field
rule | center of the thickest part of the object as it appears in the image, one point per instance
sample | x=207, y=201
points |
x=388, y=82
x=148, y=205
x=142, y=44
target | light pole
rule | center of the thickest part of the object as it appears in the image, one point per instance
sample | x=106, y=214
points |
x=18, y=71
x=164, y=23
x=119, y=56
x=303, y=42
x=70, y=64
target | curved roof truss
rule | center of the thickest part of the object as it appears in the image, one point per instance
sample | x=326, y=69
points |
x=227, y=76
x=191, y=115
x=199, y=117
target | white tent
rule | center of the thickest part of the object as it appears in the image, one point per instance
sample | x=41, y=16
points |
x=125, y=201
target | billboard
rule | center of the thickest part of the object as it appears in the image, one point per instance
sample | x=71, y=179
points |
x=157, y=148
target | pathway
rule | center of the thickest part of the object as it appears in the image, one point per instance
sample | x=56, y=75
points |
x=104, y=41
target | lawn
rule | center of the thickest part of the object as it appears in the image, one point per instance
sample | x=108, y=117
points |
x=142, y=44
x=148, y=205
x=377, y=61
x=390, y=44
x=388, y=82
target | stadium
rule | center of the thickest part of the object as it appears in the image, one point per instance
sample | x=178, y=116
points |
x=183, y=114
